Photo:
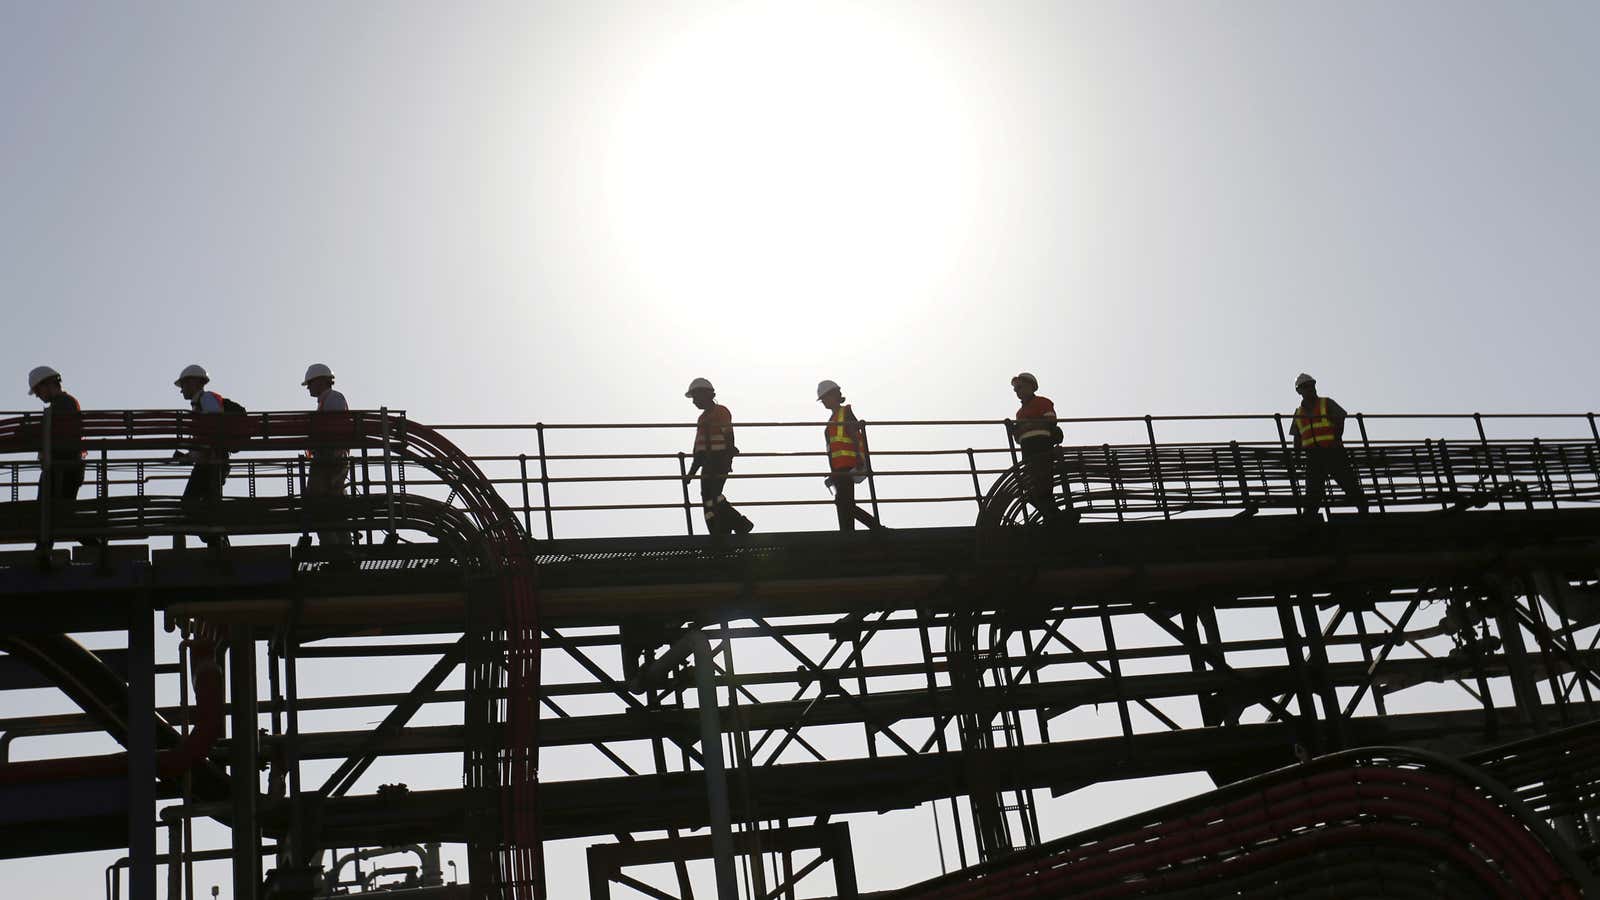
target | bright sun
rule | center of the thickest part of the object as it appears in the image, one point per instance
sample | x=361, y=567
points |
x=801, y=157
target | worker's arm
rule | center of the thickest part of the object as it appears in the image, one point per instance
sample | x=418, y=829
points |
x=1337, y=415
x=852, y=427
x=693, y=468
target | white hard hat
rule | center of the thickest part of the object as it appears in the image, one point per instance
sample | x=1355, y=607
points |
x=825, y=387
x=316, y=370
x=1303, y=380
x=192, y=371
x=699, y=384
x=1028, y=377
x=40, y=375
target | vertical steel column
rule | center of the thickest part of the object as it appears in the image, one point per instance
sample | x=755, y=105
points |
x=1308, y=730
x=246, y=831
x=844, y=863
x=1114, y=661
x=141, y=749
x=599, y=872
x=1523, y=684
x=1317, y=650
x=743, y=761
x=1366, y=656
x=716, y=773
x=175, y=856
x=300, y=850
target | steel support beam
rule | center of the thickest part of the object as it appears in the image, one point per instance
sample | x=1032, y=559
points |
x=141, y=750
x=243, y=769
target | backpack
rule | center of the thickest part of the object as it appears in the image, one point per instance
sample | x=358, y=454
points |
x=232, y=407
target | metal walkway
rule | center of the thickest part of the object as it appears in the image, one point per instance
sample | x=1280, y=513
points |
x=959, y=667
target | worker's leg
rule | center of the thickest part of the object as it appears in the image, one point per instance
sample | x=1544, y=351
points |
x=712, y=478
x=69, y=482
x=327, y=480
x=1344, y=472
x=719, y=465
x=844, y=487
x=1039, y=472
x=1316, y=473
x=844, y=500
x=203, y=489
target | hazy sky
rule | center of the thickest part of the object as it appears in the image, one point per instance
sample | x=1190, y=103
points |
x=519, y=212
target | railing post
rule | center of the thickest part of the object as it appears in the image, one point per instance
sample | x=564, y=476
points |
x=1488, y=458
x=544, y=484
x=683, y=479
x=1288, y=459
x=366, y=473
x=872, y=481
x=527, y=504
x=1238, y=468
x=1155, y=469
x=46, y=478
x=977, y=492
x=1011, y=441
x=1595, y=432
x=1366, y=450
x=103, y=489
x=388, y=469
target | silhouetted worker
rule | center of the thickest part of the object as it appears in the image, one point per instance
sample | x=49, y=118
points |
x=330, y=466
x=847, y=457
x=61, y=473
x=1037, y=435
x=1319, y=435
x=210, y=470
x=714, y=451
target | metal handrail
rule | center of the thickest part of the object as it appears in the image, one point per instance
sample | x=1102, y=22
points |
x=1128, y=477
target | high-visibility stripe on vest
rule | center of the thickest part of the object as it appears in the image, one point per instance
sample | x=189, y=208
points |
x=711, y=432
x=1316, y=429
x=1035, y=418
x=843, y=451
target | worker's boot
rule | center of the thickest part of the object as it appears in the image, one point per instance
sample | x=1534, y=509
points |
x=743, y=525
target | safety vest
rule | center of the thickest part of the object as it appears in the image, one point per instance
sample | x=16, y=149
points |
x=843, y=451
x=71, y=429
x=711, y=432
x=1316, y=430
x=221, y=402
x=1035, y=418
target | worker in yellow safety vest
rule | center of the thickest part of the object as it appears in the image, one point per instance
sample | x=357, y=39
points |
x=1319, y=440
x=847, y=457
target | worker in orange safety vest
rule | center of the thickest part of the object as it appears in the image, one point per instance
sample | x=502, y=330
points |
x=1037, y=434
x=1319, y=439
x=847, y=457
x=714, y=451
